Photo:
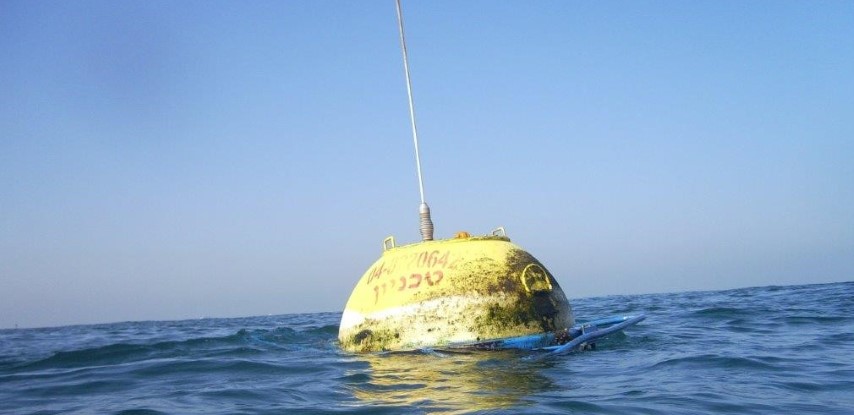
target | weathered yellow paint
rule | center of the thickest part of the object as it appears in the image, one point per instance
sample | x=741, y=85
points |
x=451, y=292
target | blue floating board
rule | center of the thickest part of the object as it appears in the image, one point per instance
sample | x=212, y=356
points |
x=593, y=330
x=575, y=337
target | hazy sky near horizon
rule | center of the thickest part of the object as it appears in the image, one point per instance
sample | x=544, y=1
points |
x=167, y=160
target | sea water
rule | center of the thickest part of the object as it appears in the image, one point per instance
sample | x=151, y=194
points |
x=765, y=350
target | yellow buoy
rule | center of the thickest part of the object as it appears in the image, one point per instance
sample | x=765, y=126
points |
x=452, y=292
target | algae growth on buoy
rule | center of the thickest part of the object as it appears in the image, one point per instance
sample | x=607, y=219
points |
x=452, y=293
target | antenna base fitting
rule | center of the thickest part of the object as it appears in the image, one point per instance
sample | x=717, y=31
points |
x=426, y=222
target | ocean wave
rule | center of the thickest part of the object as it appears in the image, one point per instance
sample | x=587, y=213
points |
x=243, y=343
x=762, y=350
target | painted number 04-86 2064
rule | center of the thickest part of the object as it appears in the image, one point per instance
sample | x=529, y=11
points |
x=431, y=265
x=429, y=260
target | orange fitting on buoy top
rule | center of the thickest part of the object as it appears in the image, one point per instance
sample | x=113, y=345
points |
x=462, y=235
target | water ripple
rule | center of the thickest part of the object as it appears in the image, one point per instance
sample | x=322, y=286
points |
x=760, y=350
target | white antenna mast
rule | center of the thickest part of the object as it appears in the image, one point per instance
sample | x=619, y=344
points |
x=423, y=209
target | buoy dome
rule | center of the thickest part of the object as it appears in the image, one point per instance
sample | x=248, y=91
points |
x=451, y=292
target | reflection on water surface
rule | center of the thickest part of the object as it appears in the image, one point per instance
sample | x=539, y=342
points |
x=449, y=381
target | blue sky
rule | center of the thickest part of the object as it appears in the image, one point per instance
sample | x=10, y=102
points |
x=170, y=160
